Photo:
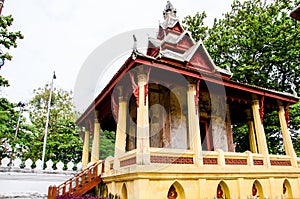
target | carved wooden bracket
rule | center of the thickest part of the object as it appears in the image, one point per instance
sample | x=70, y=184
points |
x=287, y=114
x=197, y=96
x=262, y=108
x=91, y=125
x=135, y=88
x=115, y=108
x=146, y=85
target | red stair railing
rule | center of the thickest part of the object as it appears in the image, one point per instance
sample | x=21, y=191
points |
x=80, y=183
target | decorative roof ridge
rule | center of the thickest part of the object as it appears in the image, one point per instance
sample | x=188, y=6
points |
x=267, y=89
x=165, y=39
x=134, y=54
x=174, y=55
x=190, y=53
x=183, y=35
x=169, y=23
x=296, y=13
x=224, y=71
x=241, y=83
x=156, y=42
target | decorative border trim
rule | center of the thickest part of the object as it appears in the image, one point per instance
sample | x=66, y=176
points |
x=128, y=162
x=258, y=162
x=281, y=163
x=171, y=160
x=230, y=161
x=213, y=161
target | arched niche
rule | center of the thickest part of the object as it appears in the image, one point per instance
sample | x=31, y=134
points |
x=223, y=191
x=124, y=194
x=257, y=190
x=176, y=191
x=286, y=189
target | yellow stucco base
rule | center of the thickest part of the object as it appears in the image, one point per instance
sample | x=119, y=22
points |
x=148, y=182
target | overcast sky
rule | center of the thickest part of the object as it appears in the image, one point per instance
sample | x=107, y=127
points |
x=60, y=35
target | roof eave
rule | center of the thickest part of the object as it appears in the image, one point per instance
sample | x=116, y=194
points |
x=296, y=13
x=125, y=67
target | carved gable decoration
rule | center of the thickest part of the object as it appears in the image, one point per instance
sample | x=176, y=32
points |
x=201, y=60
x=174, y=42
x=186, y=42
x=177, y=27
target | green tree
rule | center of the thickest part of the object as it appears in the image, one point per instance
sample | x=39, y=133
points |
x=8, y=38
x=107, y=144
x=8, y=113
x=14, y=130
x=63, y=140
x=8, y=118
x=260, y=43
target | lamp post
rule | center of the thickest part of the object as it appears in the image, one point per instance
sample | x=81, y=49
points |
x=21, y=105
x=47, y=120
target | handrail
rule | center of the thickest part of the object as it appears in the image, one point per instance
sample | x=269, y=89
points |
x=77, y=182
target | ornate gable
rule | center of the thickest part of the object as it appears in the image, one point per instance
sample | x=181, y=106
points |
x=186, y=41
x=199, y=58
x=173, y=42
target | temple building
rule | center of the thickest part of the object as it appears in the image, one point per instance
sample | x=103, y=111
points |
x=173, y=111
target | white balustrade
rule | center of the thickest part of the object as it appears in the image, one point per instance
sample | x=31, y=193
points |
x=29, y=166
x=70, y=166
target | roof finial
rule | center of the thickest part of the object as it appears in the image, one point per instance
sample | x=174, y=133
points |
x=169, y=11
x=134, y=43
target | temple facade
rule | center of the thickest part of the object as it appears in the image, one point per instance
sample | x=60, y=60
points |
x=173, y=111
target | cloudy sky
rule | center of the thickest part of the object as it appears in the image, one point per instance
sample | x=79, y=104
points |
x=60, y=35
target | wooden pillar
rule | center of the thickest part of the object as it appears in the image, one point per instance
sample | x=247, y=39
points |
x=252, y=138
x=260, y=133
x=231, y=146
x=131, y=134
x=96, y=140
x=120, y=143
x=85, y=150
x=288, y=145
x=193, y=122
x=143, y=142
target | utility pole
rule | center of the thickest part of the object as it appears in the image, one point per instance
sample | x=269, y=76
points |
x=21, y=105
x=47, y=120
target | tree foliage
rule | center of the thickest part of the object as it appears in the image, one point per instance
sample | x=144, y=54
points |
x=8, y=38
x=8, y=113
x=107, y=144
x=8, y=119
x=260, y=43
x=63, y=140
